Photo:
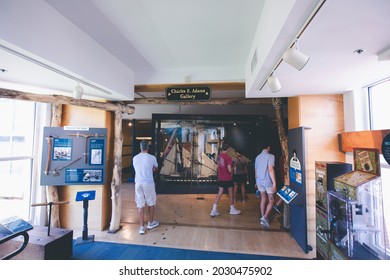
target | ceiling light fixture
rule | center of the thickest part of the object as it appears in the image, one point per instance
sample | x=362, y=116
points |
x=295, y=58
x=274, y=83
x=78, y=92
x=298, y=57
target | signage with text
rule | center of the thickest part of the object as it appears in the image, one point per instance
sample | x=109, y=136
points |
x=194, y=93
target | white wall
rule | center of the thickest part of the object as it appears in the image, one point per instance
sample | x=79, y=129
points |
x=356, y=110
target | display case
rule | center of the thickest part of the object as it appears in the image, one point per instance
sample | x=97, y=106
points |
x=322, y=241
x=325, y=172
x=356, y=226
x=187, y=147
x=355, y=214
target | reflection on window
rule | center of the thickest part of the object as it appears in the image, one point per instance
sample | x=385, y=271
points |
x=189, y=150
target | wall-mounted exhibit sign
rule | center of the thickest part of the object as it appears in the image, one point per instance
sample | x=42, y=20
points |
x=367, y=160
x=188, y=93
x=73, y=156
x=287, y=194
x=386, y=148
x=295, y=169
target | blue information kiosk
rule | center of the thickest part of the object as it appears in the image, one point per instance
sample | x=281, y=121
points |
x=85, y=197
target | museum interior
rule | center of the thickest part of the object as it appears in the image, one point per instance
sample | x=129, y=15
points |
x=79, y=94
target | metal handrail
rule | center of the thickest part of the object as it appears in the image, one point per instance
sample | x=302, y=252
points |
x=21, y=248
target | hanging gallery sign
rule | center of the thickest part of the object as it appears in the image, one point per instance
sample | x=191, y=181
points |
x=188, y=93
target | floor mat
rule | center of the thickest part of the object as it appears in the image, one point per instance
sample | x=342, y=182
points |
x=116, y=251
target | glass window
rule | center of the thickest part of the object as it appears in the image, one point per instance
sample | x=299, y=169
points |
x=16, y=157
x=379, y=105
x=379, y=96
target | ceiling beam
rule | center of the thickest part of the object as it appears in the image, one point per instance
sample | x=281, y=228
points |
x=213, y=101
x=64, y=100
x=213, y=85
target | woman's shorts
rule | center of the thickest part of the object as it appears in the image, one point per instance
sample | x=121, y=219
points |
x=239, y=178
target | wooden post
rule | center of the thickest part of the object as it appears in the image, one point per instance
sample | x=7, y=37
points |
x=51, y=191
x=277, y=103
x=117, y=175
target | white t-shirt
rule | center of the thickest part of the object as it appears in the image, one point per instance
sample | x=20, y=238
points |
x=262, y=162
x=143, y=164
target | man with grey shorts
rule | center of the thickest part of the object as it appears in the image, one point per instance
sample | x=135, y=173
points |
x=266, y=182
x=145, y=193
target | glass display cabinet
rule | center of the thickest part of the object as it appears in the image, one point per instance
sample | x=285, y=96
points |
x=187, y=147
x=356, y=217
x=325, y=172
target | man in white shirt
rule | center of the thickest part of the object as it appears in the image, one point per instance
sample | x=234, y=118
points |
x=145, y=192
x=266, y=182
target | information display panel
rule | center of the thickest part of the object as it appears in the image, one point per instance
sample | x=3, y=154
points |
x=73, y=156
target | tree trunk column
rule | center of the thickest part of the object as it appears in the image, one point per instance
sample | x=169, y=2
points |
x=52, y=191
x=277, y=103
x=117, y=175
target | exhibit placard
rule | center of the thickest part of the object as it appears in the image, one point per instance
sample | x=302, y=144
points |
x=287, y=194
x=73, y=156
x=295, y=169
x=367, y=160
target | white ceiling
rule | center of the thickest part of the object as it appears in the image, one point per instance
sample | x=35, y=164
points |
x=202, y=41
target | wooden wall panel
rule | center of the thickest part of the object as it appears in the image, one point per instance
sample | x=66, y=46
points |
x=323, y=115
x=99, y=210
x=368, y=139
x=293, y=112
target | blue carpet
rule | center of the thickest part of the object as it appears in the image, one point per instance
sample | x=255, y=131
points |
x=115, y=251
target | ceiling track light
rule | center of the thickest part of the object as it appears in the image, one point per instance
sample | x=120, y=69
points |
x=274, y=83
x=295, y=58
x=299, y=56
x=78, y=92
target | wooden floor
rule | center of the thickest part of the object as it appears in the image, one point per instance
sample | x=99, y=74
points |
x=185, y=222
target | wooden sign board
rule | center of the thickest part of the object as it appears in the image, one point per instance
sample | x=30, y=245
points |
x=186, y=93
x=368, y=139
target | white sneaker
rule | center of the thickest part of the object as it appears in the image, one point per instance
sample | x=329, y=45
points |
x=153, y=224
x=214, y=213
x=141, y=230
x=234, y=211
x=264, y=222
